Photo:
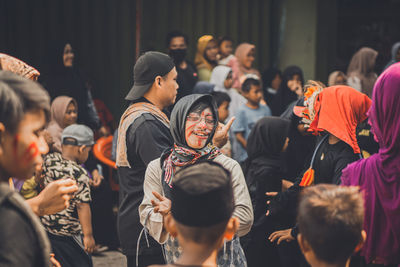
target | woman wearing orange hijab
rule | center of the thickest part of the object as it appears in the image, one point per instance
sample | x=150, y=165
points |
x=206, y=56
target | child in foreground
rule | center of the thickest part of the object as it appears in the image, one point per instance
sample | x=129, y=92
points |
x=201, y=213
x=330, y=222
x=70, y=231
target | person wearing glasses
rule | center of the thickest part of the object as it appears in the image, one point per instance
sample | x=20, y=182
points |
x=194, y=121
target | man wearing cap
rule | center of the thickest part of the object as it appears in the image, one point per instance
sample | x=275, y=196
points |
x=143, y=134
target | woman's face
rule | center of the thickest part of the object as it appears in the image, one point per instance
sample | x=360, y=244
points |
x=249, y=59
x=211, y=51
x=228, y=81
x=198, y=128
x=68, y=56
x=71, y=115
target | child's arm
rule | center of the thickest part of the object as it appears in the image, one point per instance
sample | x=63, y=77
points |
x=85, y=219
x=241, y=139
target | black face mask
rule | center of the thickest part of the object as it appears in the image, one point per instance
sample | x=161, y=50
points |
x=178, y=55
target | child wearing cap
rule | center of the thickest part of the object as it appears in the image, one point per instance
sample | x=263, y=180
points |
x=65, y=228
x=202, y=205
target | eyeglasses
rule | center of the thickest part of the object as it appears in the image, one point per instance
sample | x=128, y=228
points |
x=196, y=118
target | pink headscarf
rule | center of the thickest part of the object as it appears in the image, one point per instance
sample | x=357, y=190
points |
x=56, y=126
x=379, y=175
x=241, y=52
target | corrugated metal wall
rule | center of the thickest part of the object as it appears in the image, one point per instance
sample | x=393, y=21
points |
x=103, y=32
x=242, y=20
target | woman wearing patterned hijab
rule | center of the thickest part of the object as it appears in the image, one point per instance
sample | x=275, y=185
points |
x=193, y=124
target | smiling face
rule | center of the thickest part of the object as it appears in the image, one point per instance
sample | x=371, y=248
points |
x=249, y=59
x=68, y=56
x=71, y=115
x=20, y=153
x=211, y=51
x=226, y=48
x=198, y=128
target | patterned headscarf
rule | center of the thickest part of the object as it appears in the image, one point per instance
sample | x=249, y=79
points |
x=181, y=154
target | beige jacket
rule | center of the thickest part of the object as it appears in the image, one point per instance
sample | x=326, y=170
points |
x=152, y=182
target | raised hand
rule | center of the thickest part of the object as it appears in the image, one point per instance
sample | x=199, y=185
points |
x=162, y=206
x=221, y=134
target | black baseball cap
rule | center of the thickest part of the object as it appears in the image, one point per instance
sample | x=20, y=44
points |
x=147, y=68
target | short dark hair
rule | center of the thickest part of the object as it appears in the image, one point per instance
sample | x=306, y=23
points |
x=221, y=97
x=202, y=235
x=246, y=86
x=224, y=38
x=174, y=34
x=330, y=219
x=19, y=95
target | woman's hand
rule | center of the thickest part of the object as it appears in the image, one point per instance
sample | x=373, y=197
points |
x=221, y=134
x=283, y=235
x=163, y=206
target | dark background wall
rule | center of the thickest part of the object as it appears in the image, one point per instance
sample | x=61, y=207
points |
x=321, y=36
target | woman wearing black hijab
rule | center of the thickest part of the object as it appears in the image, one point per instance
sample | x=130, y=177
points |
x=289, y=91
x=64, y=78
x=193, y=123
x=264, y=172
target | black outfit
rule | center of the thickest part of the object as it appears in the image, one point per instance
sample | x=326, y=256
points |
x=23, y=241
x=187, y=79
x=60, y=80
x=146, y=139
x=68, y=252
x=264, y=173
x=300, y=149
x=365, y=138
x=285, y=96
x=329, y=162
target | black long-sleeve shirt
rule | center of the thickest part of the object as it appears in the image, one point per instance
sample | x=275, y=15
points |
x=146, y=139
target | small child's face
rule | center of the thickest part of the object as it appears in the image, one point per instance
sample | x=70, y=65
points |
x=255, y=95
x=228, y=81
x=83, y=154
x=226, y=48
x=223, y=111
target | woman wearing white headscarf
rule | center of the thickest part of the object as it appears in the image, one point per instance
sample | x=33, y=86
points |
x=221, y=77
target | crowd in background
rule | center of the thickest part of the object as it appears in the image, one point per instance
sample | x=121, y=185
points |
x=276, y=135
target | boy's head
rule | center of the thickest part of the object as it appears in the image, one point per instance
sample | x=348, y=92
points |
x=77, y=141
x=330, y=222
x=251, y=89
x=225, y=46
x=223, y=101
x=202, y=204
x=24, y=112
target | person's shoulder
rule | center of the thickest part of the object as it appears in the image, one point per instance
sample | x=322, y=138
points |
x=145, y=119
x=227, y=162
x=154, y=164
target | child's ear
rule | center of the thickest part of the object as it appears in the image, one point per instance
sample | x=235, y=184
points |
x=362, y=241
x=303, y=244
x=81, y=148
x=2, y=132
x=170, y=225
x=231, y=228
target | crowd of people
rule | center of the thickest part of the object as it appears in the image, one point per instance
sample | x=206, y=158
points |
x=218, y=164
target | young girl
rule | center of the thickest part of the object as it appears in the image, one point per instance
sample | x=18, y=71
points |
x=264, y=172
x=64, y=112
x=223, y=80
